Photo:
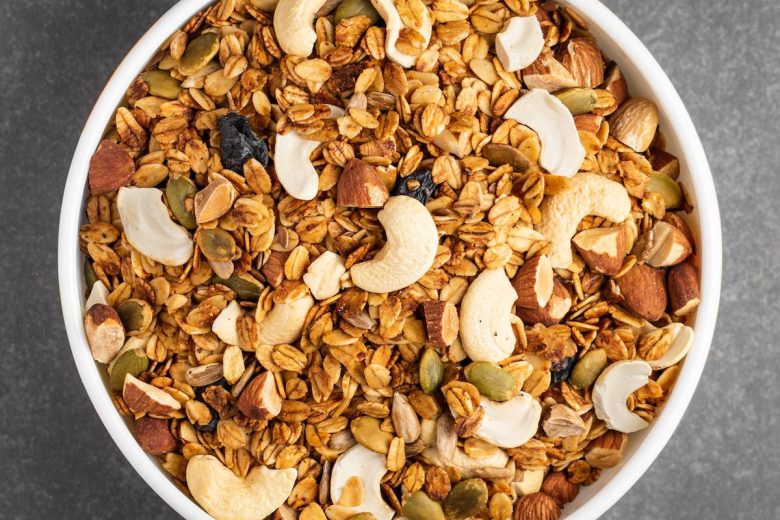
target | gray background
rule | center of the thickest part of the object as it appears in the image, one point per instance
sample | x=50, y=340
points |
x=57, y=461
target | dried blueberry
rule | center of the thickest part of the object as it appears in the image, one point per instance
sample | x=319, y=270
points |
x=239, y=143
x=419, y=185
x=561, y=371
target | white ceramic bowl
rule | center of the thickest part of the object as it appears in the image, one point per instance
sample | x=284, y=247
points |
x=645, y=77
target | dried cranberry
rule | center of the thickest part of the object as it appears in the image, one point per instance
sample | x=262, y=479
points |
x=419, y=185
x=561, y=371
x=239, y=143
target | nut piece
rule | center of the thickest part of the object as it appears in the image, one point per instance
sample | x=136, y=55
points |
x=149, y=229
x=273, y=267
x=606, y=451
x=360, y=186
x=552, y=313
x=583, y=60
x=665, y=163
x=643, y=291
x=509, y=424
x=534, y=283
x=154, y=436
x=603, y=249
x=409, y=250
x=562, y=152
x=394, y=25
x=634, y=124
x=370, y=468
x=588, y=194
x=618, y=381
x=683, y=285
x=559, y=488
x=324, y=274
x=676, y=340
x=143, y=397
x=530, y=482
x=294, y=25
x=547, y=73
x=227, y=497
x=519, y=43
x=98, y=294
x=260, y=399
x=616, y=84
x=441, y=322
x=537, y=506
x=225, y=324
x=110, y=168
x=663, y=245
x=486, y=317
x=284, y=322
x=562, y=421
x=214, y=200
x=105, y=332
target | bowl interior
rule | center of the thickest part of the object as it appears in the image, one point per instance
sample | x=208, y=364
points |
x=644, y=77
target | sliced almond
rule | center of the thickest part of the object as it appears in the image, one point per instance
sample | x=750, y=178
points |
x=534, y=283
x=603, y=249
x=360, y=186
x=143, y=397
x=260, y=399
x=635, y=123
x=664, y=245
x=214, y=200
x=683, y=285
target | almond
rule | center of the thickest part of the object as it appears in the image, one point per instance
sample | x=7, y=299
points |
x=607, y=450
x=110, y=168
x=552, y=313
x=663, y=246
x=683, y=286
x=260, y=399
x=634, y=124
x=603, y=249
x=360, y=186
x=534, y=283
x=143, y=397
x=214, y=200
x=588, y=123
x=547, y=73
x=643, y=291
x=537, y=506
x=154, y=436
x=583, y=60
x=664, y=162
x=559, y=488
x=677, y=221
x=273, y=268
x=616, y=84
x=105, y=332
x=441, y=322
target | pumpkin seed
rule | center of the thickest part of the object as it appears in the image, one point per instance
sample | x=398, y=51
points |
x=421, y=507
x=132, y=361
x=180, y=192
x=466, y=499
x=666, y=187
x=578, y=100
x=588, y=368
x=350, y=8
x=136, y=315
x=198, y=53
x=366, y=431
x=431, y=371
x=491, y=380
x=161, y=84
x=216, y=244
x=499, y=154
x=245, y=289
x=90, y=276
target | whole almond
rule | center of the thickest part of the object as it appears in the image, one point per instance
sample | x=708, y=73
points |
x=154, y=436
x=360, y=186
x=644, y=292
x=634, y=124
x=683, y=285
x=537, y=506
x=583, y=60
x=559, y=488
x=110, y=168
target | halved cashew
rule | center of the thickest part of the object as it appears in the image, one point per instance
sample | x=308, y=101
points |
x=225, y=324
x=149, y=228
x=370, y=468
x=394, y=25
x=486, y=317
x=520, y=42
x=284, y=322
x=588, y=194
x=681, y=340
x=98, y=294
x=408, y=253
x=324, y=274
x=618, y=381
x=291, y=160
x=497, y=459
x=562, y=152
x=227, y=497
x=294, y=25
x=511, y=423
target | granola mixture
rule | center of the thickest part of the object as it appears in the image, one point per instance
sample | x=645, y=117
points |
x=353, y=260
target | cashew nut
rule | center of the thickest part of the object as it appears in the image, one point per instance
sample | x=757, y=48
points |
x=394, y=25
x=618, y=381
x=225, y=324
x=370, y=467
x=464, y=463
x=324, y=274
x=227, y=497
x=486, y=317
x=408, y=253
x=531, y=482
x=98, y=294
x=588, y=194
x=562, y=152
x=511, y=423
x=294, y=169
x=682, y=338
x=284, y=322
x=149, y=228
x=519, y=43
x=294, y=25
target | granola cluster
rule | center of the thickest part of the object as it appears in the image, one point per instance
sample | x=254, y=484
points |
x=433, y=266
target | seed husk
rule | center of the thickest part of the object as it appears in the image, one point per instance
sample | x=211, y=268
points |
x=132, y=361
x=466, y=499
x=578, y=100
x=161, y=84
x=180, y=192
x=421, y=507
x=588, y=368
x=204, y=375
x=136, y=315
x=366, y=431
x=245, y=289
x=216, y=244
x=498, y=154
x=350, y=8
x=666, y=187
x=199, y=52
x=491, y=380
x=431, y=371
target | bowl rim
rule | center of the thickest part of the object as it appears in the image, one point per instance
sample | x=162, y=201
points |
x=670, y=104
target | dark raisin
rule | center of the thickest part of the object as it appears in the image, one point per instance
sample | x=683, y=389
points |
x=239, y=143
x=419, y=185
x=561, y=371
x=212, y=424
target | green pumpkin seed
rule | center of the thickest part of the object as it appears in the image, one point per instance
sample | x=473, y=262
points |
x=578, y=100
x=666, y=187
x=180, y=192
x=366, y=431
x=431, y=371
x=216, y=244
x=466, y=499
x=133, y=362
x=245, y=289
x=161, y=84
x=90, y=276
x=421, y=507
x=491, y=380
x=350, y=8
x=136, y=315
x=588, y=368
x=198, y=53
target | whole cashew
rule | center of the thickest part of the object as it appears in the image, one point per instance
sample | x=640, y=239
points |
x=486, y=317
x=612, y=388
x=370, y=467
x=294, y=25
x=284, y=322
x=408, y=253
x=465, y=464
x=588, y=194
x=394, y=25
x=682, y=338
x=227, y=497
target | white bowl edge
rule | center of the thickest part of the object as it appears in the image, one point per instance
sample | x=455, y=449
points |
x=676, y=125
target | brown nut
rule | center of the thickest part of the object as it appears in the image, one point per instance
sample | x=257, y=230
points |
x=537, y=506
x=441, y=322
x=552, y=313
x=634, y=124
x=105, y=332
x=559, y=488
x=664, y=245
x=583, y=60
x=273, y=268
x=214, y=200
x=547, y=73
x=360, y=186
x=607, y=450
x=260, y=399
x=616, y=84
x=664, y=162
x=110, y=168
x=534, y=283
x=643, y=291
x=603, y=249
x=683, y=285
x=143, y=397
x=154, y=436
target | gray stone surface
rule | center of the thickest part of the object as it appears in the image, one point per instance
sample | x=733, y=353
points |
x=57, y=460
